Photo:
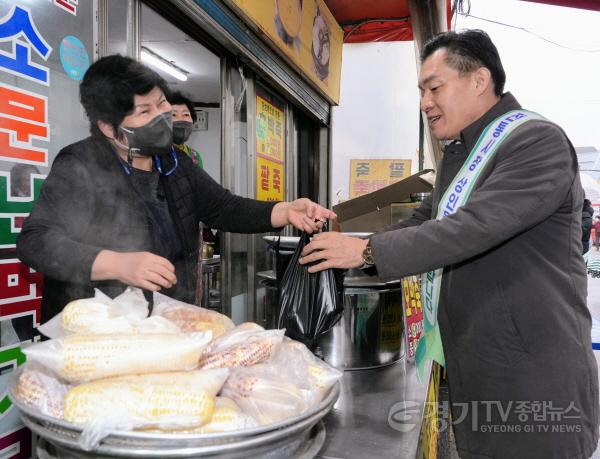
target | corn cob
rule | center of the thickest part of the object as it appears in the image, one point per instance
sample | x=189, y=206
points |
x=192, y=318
x=42, y=392
x=227, y=417
x=242, y=355
x=209, y=380
x=81, y=358
x=264, y=396
x=238, y=335
x=131, y=403
x=80, y=315
x=316, y=374
x=245, y=345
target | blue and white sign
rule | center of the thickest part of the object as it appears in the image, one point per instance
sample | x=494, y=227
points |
x=74, y=57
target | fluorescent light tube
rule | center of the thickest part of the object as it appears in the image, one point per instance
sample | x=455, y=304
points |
x=148, y=57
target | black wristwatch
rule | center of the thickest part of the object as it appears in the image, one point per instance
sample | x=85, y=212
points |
x=367, y=256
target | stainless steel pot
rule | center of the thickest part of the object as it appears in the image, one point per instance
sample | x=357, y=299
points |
x=370, y=332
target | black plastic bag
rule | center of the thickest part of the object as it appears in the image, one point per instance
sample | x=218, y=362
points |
x=310, y=304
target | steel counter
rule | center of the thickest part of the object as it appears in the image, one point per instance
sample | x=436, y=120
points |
x=358, y=425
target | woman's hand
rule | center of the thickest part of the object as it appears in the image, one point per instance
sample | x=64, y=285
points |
x=138, y=269
x=302, y=213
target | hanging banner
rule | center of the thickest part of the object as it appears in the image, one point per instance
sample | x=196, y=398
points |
x=270, y=150
x=306, y=33
x=367, y=175
x=413, y=314
x=269, y=184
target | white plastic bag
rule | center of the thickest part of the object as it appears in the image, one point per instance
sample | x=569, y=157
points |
x=244, y=346
x=190, y=318
x=81, y=358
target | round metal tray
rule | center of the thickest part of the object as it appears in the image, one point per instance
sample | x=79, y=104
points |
x=287, y=438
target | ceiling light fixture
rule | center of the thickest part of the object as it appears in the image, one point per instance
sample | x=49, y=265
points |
x=151, y=58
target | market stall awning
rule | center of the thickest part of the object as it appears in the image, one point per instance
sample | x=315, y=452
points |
x=583, y=4
x=381, y=20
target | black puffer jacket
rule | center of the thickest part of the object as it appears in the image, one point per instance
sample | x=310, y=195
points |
x=88, y=204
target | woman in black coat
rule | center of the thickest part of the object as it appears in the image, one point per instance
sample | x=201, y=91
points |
x=122, y=207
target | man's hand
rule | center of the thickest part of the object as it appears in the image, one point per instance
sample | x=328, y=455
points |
x=335, y=251
x=138, y=269
x=302, y=213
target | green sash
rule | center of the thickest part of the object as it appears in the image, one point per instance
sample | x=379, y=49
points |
x=457, y=194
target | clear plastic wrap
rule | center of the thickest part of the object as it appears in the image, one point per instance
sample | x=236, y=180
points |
x=209, y=380
x=244, y=346
x=127, y=313
x=190, y=318
x=296, y=363
x=81, y=358
x=40, y=389
x=227, y=417
x=142, y=401
x=264, y=395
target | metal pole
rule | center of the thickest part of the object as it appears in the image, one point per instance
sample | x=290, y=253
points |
x=428, y=18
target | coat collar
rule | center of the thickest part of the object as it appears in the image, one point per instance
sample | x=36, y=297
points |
x=471, y=133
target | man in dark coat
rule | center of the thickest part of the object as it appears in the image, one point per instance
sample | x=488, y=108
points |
x=512, y=309
x=587, y=213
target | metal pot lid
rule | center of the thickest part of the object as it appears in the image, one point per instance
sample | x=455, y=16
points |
x=354, y=278
x=291, y=242
x=369, y=282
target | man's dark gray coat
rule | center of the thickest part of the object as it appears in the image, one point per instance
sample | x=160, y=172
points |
x=512, y=313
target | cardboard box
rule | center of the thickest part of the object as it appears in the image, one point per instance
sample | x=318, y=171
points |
x=374, y=211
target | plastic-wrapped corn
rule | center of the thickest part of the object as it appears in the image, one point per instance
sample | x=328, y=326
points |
x=210, y=381
x=295, y=362
x=227, y=417
x=102, y=314
x=190, y=318
x=81, y=358
x=127, y=404
x=263, y=395
x=42, y=391
x=241, y=347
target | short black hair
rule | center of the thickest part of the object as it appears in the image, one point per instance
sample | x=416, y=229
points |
x=109, y=86
x=177, y=98
x=469, y=50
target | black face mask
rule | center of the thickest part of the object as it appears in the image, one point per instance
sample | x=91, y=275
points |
x=181, y=131
x=152, y=139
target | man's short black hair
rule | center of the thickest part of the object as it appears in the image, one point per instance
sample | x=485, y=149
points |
x=177, y=98
x=467, y=51
x=109, y=86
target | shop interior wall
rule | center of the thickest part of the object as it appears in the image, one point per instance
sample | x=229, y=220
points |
x=378, y=114
x=203, y=85
x=208, y=143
